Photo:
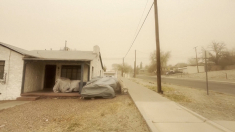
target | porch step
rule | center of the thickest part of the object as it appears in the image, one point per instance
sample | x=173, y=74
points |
x=28, y=98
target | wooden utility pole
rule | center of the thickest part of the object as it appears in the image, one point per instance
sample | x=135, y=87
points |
x=122, y=66
x=206, y=74
x=196, y=59
x=159, y=86
x=135, y=66
x=65, y=47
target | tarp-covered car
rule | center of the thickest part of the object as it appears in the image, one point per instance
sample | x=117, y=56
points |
x=101, y=87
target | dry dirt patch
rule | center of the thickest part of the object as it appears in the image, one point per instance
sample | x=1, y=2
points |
x=99, y=115
x=215, y=106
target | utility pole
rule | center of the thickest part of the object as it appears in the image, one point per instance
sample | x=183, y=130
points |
x=65, y=48
x=206, y=74
x=122, y=66
x=135, y=66
x=196, y=59
x=159, y=86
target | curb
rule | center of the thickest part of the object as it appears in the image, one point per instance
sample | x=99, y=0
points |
x=205, y=119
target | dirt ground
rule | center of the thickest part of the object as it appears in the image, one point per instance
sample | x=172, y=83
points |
x=215, y=106
x=3, y=101
x=67, y=115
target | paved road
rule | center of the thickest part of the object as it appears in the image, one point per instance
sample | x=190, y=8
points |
x=222, y=87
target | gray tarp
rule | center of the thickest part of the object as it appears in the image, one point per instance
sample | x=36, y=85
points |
x=65, y=85
x=101, y=87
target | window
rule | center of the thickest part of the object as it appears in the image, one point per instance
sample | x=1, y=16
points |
x=73, y=72
x=2, y=64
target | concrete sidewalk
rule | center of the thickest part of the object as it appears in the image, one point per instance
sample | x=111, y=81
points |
x=11, y=104
x=163, y=115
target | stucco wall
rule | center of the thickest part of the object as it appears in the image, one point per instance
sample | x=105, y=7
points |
x=14, y=69
x=34, y=74
x=97, y=67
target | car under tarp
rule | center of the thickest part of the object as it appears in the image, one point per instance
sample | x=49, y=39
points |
x=101, y=87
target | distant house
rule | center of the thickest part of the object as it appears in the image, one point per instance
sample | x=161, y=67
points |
x=23, y=71
x=193, y=69
x=110, y=74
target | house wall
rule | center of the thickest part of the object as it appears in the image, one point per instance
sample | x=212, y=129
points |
x=34, y=74
x=14, y=69
x=96, y=63
x=193, y=69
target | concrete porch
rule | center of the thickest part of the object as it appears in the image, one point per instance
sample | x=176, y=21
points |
x=32, y=96
x=50, y=94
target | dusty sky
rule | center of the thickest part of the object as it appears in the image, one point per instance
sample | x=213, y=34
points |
x=112, y=24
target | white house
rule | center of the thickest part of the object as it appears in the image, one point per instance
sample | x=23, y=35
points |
x=193, y=69
x=23, y=71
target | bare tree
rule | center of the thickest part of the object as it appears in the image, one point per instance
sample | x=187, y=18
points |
x=165, y=56
x=192, y=61
x=217, y=51
x=126, y=68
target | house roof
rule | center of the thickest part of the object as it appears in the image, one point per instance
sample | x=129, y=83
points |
x=53, y=54
x=18, y=50
x=62, y=55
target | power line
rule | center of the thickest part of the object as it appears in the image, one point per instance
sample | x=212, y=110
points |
x=141, y=16
x=139, y=30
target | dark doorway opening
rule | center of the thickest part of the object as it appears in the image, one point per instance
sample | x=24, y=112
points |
x=49, y=81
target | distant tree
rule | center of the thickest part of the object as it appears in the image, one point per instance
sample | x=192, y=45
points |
x=192, y=61
x=164, y=56
x=126, y=68
x=115, y=66
x=217, y=51
x=227, y=58
x=141, y=65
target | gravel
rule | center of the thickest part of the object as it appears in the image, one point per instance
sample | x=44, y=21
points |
x=74, y=114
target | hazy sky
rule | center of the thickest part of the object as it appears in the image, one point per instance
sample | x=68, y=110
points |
x=112, y=24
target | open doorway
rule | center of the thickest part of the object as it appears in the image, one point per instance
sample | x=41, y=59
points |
x=49, y=81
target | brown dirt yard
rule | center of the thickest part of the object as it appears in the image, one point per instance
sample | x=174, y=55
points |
x=72, y=115
x=215, y=106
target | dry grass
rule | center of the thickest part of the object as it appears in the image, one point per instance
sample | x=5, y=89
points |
x=168, y=92
x=72, y=115
x=215, y=106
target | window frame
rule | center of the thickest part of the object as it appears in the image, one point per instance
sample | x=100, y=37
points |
x=3, y=68
x=72, y=68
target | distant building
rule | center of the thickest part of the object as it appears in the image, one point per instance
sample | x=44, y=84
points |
x=193, y=69
x=110, y=74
